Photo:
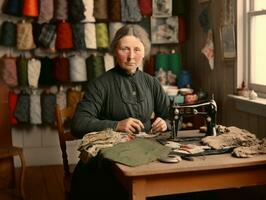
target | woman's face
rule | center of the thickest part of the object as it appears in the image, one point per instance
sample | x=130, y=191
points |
x=129, y=53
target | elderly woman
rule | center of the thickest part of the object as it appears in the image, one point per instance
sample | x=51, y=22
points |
x=124, y=99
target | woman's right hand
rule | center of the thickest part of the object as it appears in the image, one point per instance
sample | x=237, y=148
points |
x=130, y=125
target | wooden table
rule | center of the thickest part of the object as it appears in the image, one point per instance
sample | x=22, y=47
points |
x=203, y=174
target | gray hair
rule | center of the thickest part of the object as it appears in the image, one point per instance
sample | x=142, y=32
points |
x=134, y=30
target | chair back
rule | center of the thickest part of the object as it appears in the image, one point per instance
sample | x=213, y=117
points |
x=61, y=115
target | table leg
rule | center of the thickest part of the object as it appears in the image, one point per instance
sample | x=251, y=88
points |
x=138, y=190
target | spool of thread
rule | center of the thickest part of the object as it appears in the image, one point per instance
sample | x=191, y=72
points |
x=64, y=39
x=8, y=71
x=46, y=77
x=114, y=11
x=78, y=71
x=113, y=27
x=130, y=11
x=145, y=7
x=76, y=11
x=100, y=10
x=30, y=8
x=46, y=11
x=78, y=31
x=22, y=111
x=61, y=98
x=13, y=7
x=90, y=35
x=22, y=69
x=8, y=34
x=25, y=36
x=61, y=10
x=61, y=69
x=48, y=102
x=89, y=5
x=95, y=67
x=34, y=69
x=47, y=34
x=12, y=103
x=35, y=108
x=102, y=39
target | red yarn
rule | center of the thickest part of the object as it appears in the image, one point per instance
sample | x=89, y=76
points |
x=30, y=8
x=64, y=38
x=145, y=7
x=12, y=103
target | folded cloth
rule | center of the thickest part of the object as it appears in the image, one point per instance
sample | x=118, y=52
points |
x=137, y=152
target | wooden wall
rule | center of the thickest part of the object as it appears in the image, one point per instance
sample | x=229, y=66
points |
x=220, y=81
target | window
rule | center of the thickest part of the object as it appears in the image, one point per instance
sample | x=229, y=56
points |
x=251, y=44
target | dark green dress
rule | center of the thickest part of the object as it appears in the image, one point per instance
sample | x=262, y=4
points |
x=112, y=97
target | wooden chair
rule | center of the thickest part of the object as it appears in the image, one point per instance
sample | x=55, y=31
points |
x=61, y=115
x=10, y=152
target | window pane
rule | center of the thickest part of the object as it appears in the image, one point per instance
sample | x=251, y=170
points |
x=259, y=4
x=257, y=49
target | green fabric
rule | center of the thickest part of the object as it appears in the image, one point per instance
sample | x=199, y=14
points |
x=136, y=152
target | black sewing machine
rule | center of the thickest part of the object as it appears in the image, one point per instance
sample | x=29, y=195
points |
x=207, y=109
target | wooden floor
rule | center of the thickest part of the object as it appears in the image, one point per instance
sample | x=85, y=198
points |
x=45, y=183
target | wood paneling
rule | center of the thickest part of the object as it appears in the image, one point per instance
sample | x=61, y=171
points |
x=221, y=80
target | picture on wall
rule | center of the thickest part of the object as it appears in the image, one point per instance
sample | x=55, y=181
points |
x=227, y=35
x=164, y=30
x=162, y=8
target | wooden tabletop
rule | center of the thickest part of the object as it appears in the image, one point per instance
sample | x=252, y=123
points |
x=200, y=163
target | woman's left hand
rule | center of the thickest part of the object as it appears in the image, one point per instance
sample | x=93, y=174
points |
x=159, y=125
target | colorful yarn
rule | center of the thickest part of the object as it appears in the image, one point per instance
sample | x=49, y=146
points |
x=145, y=7
x=109, y=61
x=102, y=39
x=78, y=71
x=8, y=71
x=100, y=10
x=130, y=11
x=90, y=35
x=13, y=7
x=113, y=27
x=78, y=36
x=76, y=11
x=95, y=67
x=114, y=11
x=61, y=69
x=64, y=39
x=89, y=6
x=34, y=69
x=22, y=70
x=12, y=103
x=25, y=36
x=30, y=8
x=35, y=108
x=61, y=10
x=22, y=111
x=47, y=34
x=48, y=102
x=46, y=77
x=8, y=34
x=46, y=11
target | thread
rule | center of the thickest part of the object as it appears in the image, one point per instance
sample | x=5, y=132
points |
x=8, y=71
x=78, y=71
x=102, y=39
x=64, y=39
x=90, y=35
x=25, y=36
x=34, y=69
x=35, y=108
x=8, y=34
x=46, y=11
x=30, y=8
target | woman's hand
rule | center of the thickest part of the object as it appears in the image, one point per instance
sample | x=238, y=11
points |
x=159, y=125
x=130, y=125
